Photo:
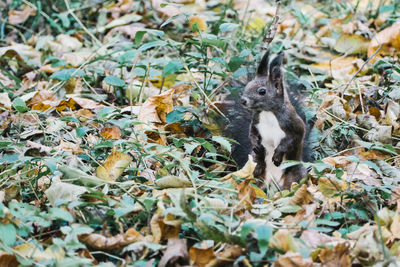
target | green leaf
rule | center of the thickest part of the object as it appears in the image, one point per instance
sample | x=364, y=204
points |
x=81, y=131
x=139, y=36
x=5, y=143
x=217, y=43
x=235, y=63
x=153, y=44
x=66, y=74
x=61, y=214
x=8, y=234
x=175, y=116
x=114, y=81
x=19, y=105
x=326, y=222
x=70, y=118
x=223, y=142
x=172, y=67
x=264, y=233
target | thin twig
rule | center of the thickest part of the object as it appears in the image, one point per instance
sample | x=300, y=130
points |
x=362, y=66
x=269, y=36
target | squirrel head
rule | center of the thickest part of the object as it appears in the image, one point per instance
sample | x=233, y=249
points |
x=265, y=92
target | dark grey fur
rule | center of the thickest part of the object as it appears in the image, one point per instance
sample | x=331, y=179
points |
x=266, y=92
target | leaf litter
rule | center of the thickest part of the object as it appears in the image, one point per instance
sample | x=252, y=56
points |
x=112, y=151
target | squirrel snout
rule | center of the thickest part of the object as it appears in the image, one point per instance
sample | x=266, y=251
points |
x=243, y=101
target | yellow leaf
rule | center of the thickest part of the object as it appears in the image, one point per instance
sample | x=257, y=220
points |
x=351, y=44
x=390, y=40
x=257, y=24
x=114, y=166
x=244, y=172
x=200, y=22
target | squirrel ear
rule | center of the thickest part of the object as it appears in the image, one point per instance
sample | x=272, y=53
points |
x=275, y=72
x=263, y=66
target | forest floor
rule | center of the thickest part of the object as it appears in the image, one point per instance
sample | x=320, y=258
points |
x=112, y=151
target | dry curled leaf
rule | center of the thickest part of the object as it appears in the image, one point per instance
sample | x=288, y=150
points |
x=98, y=241
x=302, y=196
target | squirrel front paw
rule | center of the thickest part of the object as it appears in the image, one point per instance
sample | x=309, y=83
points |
x=277, y=158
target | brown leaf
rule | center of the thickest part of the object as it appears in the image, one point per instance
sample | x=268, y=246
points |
x=19, y=16
x=282, y=240
x=8, y=260
x=247, y=193
x=87, y=103
x=291, y=259
x=114, y=166
x=154, y=112
x=164, y=227
x=156, y=108
x=302, y=196
x=98, y=241
x=390, y=40
x=229, y=255
x=176, y=253
x=201, y=255
x=328, y=187
x=40, y=97
x=374, y=111
x=112, y=132
x=339, y=256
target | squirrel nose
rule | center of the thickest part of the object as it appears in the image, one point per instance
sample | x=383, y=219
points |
x=243, y=101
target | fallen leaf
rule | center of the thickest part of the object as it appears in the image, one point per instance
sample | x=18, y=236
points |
x=302, y=196
x=282, y=240
x=164, y=8
x=176, y=253
x=338, y=256
x=390, y=40
x=244, y=172
x=164, y=227
x=201, y=23
x=171, y=181
x=5, y=101
x=8, y=260
x=351, y=44
x=114, y=166
x=63, y=191
x=19, y=16
x=292, y=259
x=112, y=132
x=98, y=241
x=202, y=253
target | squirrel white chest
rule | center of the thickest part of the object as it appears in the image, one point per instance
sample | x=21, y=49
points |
x=271, y=136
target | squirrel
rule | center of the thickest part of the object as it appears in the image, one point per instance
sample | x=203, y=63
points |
x=269, y=124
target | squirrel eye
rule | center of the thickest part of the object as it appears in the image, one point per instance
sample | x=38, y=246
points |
x=262, y=91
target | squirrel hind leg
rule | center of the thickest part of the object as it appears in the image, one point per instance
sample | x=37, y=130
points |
x=293, y=175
